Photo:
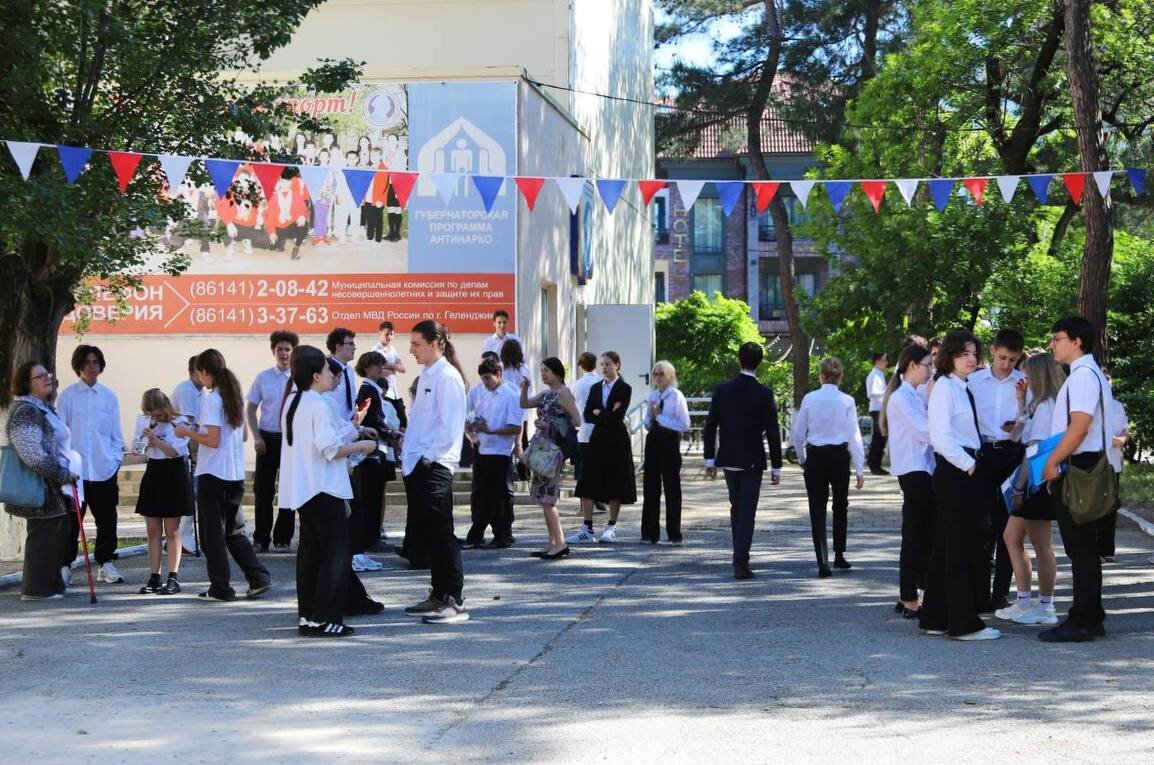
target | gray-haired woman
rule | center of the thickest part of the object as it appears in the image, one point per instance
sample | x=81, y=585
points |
x=41, y=439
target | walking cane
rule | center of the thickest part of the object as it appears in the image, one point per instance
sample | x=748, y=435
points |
x=84, y=543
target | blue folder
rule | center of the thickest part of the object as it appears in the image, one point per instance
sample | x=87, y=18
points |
x=1038, y=459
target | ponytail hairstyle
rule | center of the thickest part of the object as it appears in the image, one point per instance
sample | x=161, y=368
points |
x=437, y=334
x=911, y=354
x=224, y=382
x=305, y=362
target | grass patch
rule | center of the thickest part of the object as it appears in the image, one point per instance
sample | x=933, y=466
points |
x=1138, y=484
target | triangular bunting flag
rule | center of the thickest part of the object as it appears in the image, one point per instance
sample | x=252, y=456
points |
x=728, y=192
x=648, y=189
x=940, y=191
x=74, y=158
x=1040, y=185
x=24, y=154
x=1137, y=177
x=977, y=188
x=124, y=164
x=359, y=182
x=837, y=191
x=874, y=191
x=1102, y=180
x=530, y=187
x=267, y=174
x=801, y=190
x=221, y=171
x=689, y=191
x=487, y=187
x=571, y=189
x=1008, y=184
x=314, y=177
x=175, y=168
x=446, y=185
x=403, y=182
x=764, y=191
x=610, y=190
x=1075, y=184
x=907, y=187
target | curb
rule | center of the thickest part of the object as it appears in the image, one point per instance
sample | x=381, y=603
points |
x=14, y=579
x=1146, y=526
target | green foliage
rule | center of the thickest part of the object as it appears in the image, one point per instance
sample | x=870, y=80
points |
x=1131, y=335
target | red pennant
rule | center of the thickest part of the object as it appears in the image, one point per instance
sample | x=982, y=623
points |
x=764, y=191
x=267, y=174
x=874, y=190
x=124, y=164
x=1075, y=184
x=649, y=189
x=402, y=183
x=976, y=187
x=530, y=188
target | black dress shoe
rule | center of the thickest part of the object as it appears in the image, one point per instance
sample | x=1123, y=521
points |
x=367, y=608
x=840, y=562
x=899, y=607
x=742, y=572
x=823, y=572
x=879, y=471
x=538, y=553
x=564, y=551
x=1098, y=630
x=1066, y=632
x=911, y=613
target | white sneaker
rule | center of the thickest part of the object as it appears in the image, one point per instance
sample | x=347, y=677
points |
x=989, y=633
x=608, y=534
x=66, y=575
x=583, y=536
x=368, y=563
x=1013, y=611
x=357, y=565
x=1039, y=614
x=108, y=573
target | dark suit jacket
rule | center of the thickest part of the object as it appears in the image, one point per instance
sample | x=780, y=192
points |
x=608, y=418
x=744, y=410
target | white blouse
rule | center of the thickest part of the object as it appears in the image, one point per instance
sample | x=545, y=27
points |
x=309, y=465
x=908, y=424
x=226, y=461
x=952, y=428
x=672, y=413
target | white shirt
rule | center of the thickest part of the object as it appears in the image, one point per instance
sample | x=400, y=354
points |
x=267, y=391
x=186, y=399
x=310, y=466
x=952, y=422
x=500, y=408
x=875, y=386
x=92, y=413
x=1082, y=392
x=908, y=424
x=580, y=389
x=1038, y=426
x=164, y=432
x=226, y=461
x=1116, y=426
x=345, y=397
x=391, y=357
x=673, y=412
x=437, y=420
x=493, y=343
x=605, y=390
x=514, y=375
x=996, y=400
x=828, y=417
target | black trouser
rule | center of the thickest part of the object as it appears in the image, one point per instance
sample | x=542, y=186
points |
x=42, y=552
x=997, y=556
x=365, y=522
x=374, y=222
x=430, y=491
x=264, y=488
x=491, y=500
x=1080, y=541
x=826, y=471
x=877, y=445
x=323, y=559
x=1107, y=525
x=956, y=581
x=744, y=490
x=101, y=497
x=918, y=509
x=662, y=467
x=579, y=463
x=222, y=534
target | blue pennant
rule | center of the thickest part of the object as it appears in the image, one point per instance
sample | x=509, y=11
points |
x=610, y=190
x=359, y=182
x=488, y=186
x=728, y=192
x=837, y=191
x=222, y=172
x=1137, y=177
x=74, y=158
x=940, y=191
x=1040, y=185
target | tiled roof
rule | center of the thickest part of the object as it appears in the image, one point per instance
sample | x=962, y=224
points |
x=729, y=139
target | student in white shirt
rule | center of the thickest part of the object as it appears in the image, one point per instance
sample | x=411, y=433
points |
x=92, y=412
x=220, y=478
x=186, y=401
x=1119, y=427
x=496, y=341
x=265, y=394
x=496, y=423
x=588, y=380
x=827, y=439
x=165, y=490
x=956, y=585
x=875, y=386
x=393, y=363
x=1081, y=409
x=430, y=455
x=342, y=347
x=905, y=421
x=666, y=418
x=314, y=482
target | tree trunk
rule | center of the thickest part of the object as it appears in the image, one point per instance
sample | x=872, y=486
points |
x=1094, y=284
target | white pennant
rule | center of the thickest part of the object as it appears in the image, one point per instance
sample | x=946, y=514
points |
x=907, y=187
x=447, y=184
x=25, y=154
x=1102, y=178
x=689, y=191
x=314, y=177
x=571, y=189
x=801, y=190
x=1008, y=184
x=175, y=167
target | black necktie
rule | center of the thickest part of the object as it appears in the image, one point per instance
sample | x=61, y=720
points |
x=974, y=410
x=348, y=388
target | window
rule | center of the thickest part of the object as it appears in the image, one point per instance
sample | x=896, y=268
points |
x=771, y=305
x=797, y=215
x=659, y=287
x=661, y=217
x=708, y=244
x=710, y=284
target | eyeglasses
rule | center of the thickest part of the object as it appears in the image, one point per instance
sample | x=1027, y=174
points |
x=926, y=364
x=42, y=376
x=657, y=372
x=349, y=342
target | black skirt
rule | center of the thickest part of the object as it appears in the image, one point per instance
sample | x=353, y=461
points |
x=1037, y=507
x=165, y=489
